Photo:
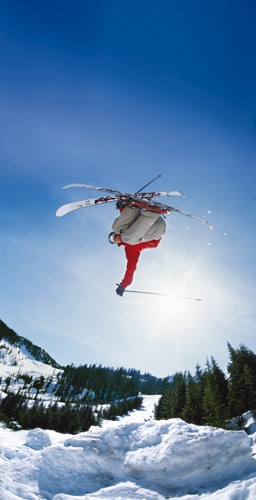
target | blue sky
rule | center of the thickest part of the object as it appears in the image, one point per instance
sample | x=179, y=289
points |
x=113, y=93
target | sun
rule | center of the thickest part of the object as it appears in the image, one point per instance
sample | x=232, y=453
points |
x=174, y=298
x=168, y=309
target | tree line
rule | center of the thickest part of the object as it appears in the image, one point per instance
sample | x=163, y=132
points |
x=103, y=384
x=209, y=397
x=17, y=413
x=120, y=408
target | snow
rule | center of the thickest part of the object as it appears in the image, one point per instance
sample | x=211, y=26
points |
x=37, y=439
x=134, y=457
x=16, y=362
x=16, y=359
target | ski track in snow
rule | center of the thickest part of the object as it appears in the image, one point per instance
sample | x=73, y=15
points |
x=134, y=457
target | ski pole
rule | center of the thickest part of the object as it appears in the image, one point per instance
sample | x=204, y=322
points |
x=150, y=182
x=164, y=295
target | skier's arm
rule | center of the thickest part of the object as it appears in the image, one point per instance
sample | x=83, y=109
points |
x=132, y=256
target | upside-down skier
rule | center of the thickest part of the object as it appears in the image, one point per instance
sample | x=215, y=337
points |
x=136, y=230
x=139, y=226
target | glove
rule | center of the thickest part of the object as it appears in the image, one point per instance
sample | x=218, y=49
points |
x=120, y=290
x=120, y=204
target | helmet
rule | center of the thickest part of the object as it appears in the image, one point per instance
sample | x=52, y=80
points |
x=111, y=237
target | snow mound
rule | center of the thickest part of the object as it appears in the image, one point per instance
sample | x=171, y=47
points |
x=172, y=455
x=37, y=439
x=149, y=460
x=239, y=490
x=122, y=491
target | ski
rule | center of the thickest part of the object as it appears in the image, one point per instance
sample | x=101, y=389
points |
x=155, y=206
x=117, y=195
x=94, y=188
x=141, y=200
x=130, y=200
x=150, y=194
x=76, y=205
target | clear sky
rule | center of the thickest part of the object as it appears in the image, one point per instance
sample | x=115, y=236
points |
x=114, y=93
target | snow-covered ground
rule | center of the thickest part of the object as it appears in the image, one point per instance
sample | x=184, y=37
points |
x=132, y=458
x=16, y=362
x=16, y=359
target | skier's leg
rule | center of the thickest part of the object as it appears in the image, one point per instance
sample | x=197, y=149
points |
x=125, y=219
x=156, y=231
x=136, y=232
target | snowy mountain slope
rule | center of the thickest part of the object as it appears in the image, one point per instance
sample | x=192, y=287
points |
x=133, y=458
x=22, y=363
x=15, y=359
x=29, y=349
x=16, y=365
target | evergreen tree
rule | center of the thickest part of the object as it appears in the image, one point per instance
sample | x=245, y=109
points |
x=172, y=402
x=215, y=396
x=38, y=384
x=241, y=384
x=192, y=410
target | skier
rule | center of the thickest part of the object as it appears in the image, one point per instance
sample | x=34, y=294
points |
x=136, y=230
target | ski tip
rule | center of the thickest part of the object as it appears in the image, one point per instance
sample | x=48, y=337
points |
x=62, y=211
x=71, y=186
x=209, y=225
x=58, y=213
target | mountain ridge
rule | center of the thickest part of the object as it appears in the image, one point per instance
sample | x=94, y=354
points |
x=35, y=351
